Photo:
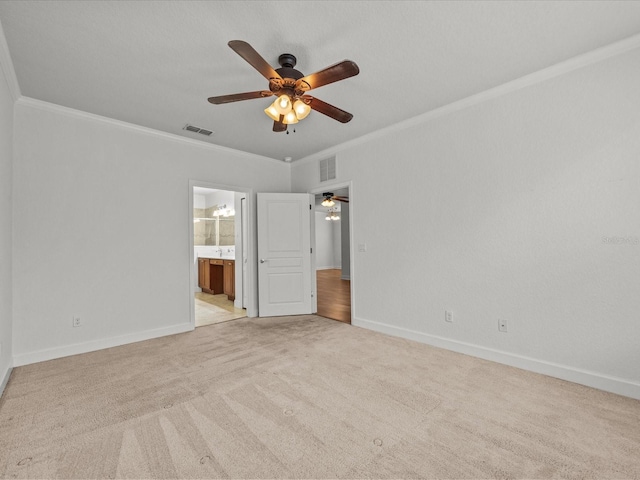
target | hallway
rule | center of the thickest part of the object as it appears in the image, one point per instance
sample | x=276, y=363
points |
x=334, y=295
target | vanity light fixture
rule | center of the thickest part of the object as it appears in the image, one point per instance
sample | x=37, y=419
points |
x=223, y=211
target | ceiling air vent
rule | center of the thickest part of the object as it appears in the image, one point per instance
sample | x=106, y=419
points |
x=328, y=169
x=199, y=130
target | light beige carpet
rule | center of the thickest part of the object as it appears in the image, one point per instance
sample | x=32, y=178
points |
x=212, y=309
x=305, y=397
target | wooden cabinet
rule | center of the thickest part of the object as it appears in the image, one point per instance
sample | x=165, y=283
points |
x=229, y=274
x=216, y=275
x=203, y=273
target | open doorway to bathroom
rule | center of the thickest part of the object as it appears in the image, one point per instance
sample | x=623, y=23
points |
x=218, y=254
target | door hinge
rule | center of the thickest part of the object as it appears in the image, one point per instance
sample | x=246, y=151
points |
x=309, y=206
x=311, y=250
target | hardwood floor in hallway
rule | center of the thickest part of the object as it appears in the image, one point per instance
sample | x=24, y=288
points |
x=334, y=295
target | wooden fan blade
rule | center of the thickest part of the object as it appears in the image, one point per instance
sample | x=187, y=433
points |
x=236, y=97
x=339, y=71
x=254, y=59
x=341, y=199
x=329, y=110
x=279, y=126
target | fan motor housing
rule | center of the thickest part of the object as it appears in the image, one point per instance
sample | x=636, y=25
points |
x=288, y=72
x=289, y=77
x=287, y=61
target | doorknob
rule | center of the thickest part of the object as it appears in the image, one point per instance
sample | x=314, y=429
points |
x=262, y=260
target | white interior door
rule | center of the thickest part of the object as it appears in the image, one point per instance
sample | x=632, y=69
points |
x=284, y=254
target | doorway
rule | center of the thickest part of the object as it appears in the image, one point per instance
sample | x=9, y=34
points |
x=218, y=254
x=333, y=253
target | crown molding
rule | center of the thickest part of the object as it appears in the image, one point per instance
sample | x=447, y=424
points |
x=6, y=65
x=71, y=112
x=557, y=70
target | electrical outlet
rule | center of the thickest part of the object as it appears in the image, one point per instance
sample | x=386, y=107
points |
x=502, y=325
x=448, y=316
x=76, y=321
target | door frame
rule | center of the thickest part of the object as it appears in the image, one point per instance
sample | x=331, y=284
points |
x=352, y=271
x=249, y=254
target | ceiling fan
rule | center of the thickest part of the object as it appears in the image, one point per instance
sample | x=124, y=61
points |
x=290, y=86
x=329, y=198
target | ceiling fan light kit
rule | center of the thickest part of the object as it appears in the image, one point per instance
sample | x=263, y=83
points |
x=290, y=86
x=329, y=201
x=287, y=111
x=332, y=215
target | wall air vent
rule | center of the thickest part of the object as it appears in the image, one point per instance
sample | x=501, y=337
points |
x=199, y=130
x=328, y=169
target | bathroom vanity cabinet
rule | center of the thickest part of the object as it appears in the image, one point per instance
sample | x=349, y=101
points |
x=217, y=275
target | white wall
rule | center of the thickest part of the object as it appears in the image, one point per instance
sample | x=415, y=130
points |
x=508, y=211
x=220, y=198
x=85, y=242
x=325, y=251
x=6, y=228
x=337, y=227
x=199, y=201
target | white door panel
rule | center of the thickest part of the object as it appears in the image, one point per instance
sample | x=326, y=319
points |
x=284, y=253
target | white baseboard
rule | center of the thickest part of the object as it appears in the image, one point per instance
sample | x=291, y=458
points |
x=327, y=268
x=92, y=346
x=345, y=277
x=607, y=383
x=5, y=380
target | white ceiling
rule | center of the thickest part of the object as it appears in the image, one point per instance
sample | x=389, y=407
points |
x=155, y=63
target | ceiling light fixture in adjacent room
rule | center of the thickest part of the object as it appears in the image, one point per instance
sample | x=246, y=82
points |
x=328, y=201
x=332, y=215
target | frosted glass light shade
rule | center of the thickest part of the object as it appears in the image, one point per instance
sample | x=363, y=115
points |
x=272, y=113
x=301, y=109
x=282, y=104
x=290, y=118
